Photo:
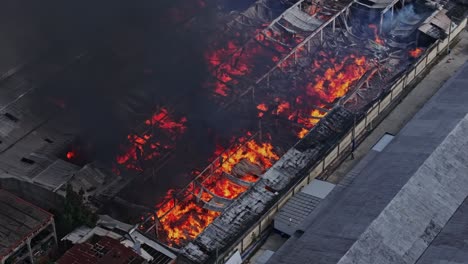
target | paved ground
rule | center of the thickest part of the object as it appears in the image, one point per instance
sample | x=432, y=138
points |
x=395, y=121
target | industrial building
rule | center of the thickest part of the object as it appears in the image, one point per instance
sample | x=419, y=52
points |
x=333, y=136
x=204, y=132
x=27, y=231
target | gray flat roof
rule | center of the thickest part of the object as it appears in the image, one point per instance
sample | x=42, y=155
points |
x=450, y=246
x=415, y=216
x=18, y=219
x=343, y=216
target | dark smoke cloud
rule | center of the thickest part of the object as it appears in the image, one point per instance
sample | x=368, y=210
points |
x=139, y=56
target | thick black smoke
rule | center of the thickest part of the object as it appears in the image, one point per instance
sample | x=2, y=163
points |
x=138, y=55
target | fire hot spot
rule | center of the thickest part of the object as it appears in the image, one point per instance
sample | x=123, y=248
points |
x=377, y=39
x=234, y=59
x=329, y=77
x=415, y=53
x=182, y=217
x=149, y=144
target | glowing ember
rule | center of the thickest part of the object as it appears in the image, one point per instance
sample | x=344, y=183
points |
x=282, y=106
x=314, y=118
x=377, y=40
x=249, y=178
x=239, y=57
x=71, y=155
x=184, y=220
x=145, y=147
x=223, y=187
x=337, y=79
x=262, y=107
x=162, y=121
x=414, y=53
x=259, y=154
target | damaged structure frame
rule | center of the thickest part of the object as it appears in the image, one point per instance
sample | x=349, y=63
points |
x=341, y=149
x=326, y=143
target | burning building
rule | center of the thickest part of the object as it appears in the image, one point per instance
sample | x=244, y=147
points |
x=308, y=74
x=280, y=83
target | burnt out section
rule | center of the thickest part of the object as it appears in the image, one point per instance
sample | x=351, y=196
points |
x=248, y=208
x=192, y=118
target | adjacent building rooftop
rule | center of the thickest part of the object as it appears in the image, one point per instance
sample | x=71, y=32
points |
x=19, y=220
x=103, y=250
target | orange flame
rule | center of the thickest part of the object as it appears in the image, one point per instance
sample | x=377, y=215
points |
x=377, y=40
x=336, y=80
x=238, y=58
x=144, y=147
x=259, y=154
x=282, y=107
x=262, y=107
x=249, y=178
x=70, y=155
x=223, y=187
x=186, y=219
x=414, y=53
x=314, y=118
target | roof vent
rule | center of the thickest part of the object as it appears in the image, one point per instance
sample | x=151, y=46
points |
x=28, y=161
x=11, y=117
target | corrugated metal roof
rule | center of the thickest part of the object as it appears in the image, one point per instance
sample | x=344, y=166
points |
x=409, y=223
x=292, y=215
x=18, y=220
x=55, y=175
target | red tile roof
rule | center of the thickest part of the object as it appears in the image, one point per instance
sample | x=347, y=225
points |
x=105, y=251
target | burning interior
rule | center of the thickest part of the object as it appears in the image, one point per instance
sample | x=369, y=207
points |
x=306, y=74
x=278, y=83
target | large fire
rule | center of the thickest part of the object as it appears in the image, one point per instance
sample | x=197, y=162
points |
x=329, y=77
x=182, y=219
x=236, y=58
x=335, y=80
x=259, y=154
x=223, y=187
x=226, y=72
x=147, y=146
